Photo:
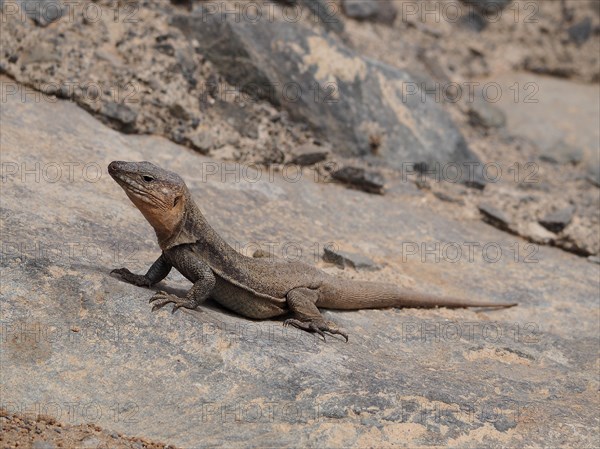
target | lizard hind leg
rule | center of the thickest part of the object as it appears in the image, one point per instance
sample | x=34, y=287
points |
x=301, y=301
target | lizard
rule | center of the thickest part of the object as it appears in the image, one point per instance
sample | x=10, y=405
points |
x=254, y=287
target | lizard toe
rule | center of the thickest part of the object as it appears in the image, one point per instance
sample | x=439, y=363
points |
x=162, y=299
x=333, y=329
x=315, y=328
x=318, y=327
x=158, y=295
x=295, y=323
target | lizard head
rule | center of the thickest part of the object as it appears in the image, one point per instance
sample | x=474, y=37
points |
x=160, y=195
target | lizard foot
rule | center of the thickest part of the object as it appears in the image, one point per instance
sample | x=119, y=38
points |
x=320, y=327
x=132, y=278
x=164, y=298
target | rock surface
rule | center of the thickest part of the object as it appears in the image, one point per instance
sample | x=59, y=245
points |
x=42, y=12
x=473, y=21
x=562, y=153
x=343, y=97
x=382, y=11
x=360, y=178
x=555, y=158
x=494, y=217
x=488, y=6
x=558, y=220
x=581, y=31
x=345, y=259
x=45, y=432
x=485, y=114
x=309, y=154
x=82, y=346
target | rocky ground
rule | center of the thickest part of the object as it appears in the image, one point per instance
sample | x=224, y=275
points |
x=44, y=432
x=144, y=67
x=331, y=99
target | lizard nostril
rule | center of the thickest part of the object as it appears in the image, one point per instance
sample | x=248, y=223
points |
x=114, y=166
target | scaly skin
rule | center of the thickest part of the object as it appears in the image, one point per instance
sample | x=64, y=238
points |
x=253, y=287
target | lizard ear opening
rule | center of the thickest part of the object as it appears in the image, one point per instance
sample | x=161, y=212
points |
x=176, y=201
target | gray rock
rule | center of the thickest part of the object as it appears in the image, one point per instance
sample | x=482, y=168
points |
x=204, y=376
x=562, y=153
x=448, y=198
x=42, y=445
x=90, y=442
x=581, y=31
x=503, y=424
x=261, y=254
x=485, y=114
x=558, y=220
x=387, y=12
x=538, y=233
x=594, y=259
x=345, y=259
x=182, y=2
x=488, y=6
x=42, y=12
x=373, y=10
x=473, y=21
x=202, y=142
x=495, y=217
x=121, y=115
x=43, y=52
x=324, y=13
x=309, y=154
x=593, y=174
x=343, y=97
x=359, y=178
x=532, y=120
x=360, y=9
x=178, y=111
x=238, y=118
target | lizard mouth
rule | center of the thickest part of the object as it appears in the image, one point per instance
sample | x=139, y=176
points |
x=115, y=167
x=123, y=175
x=119, y=172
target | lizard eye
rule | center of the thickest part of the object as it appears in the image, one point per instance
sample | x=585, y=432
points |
x=147, y=178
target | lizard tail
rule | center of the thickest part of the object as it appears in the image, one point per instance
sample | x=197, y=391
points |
x=352, y=295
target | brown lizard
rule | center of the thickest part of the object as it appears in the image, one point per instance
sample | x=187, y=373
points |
x=257, y=288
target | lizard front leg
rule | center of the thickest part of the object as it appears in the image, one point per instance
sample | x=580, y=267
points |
x=156, y=273
x=205, y=282
x=301, y=302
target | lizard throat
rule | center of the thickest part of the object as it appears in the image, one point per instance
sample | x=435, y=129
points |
x=166, y=221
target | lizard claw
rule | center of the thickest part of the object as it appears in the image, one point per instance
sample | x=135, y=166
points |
x=132, y=278
x=158, y=295
x=175, y=308
x=164, y=298
x=319, y=327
